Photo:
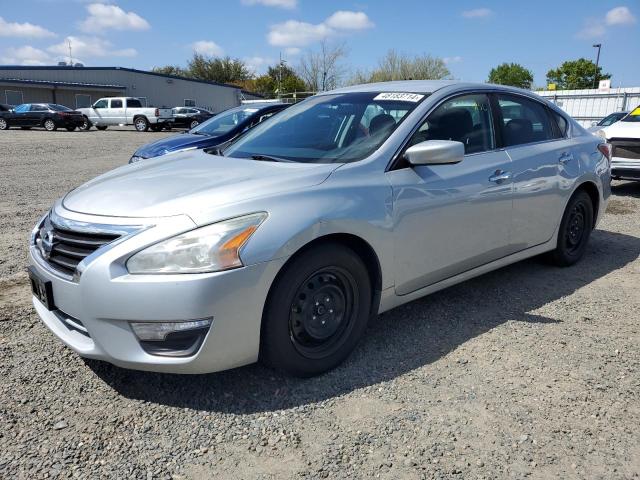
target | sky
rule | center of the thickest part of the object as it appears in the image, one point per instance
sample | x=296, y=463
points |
x=472, y=37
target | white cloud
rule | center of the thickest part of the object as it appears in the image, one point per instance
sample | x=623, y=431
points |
x=104, y=17
x=477, y=13
x=345, y=20
x=259, y=64
x=289, y=4
x=292, y=51
x=26, y=55
x=294, y=34
x=14, y=29
x=619, y=16
x=450, y=60
x=207, y=47
x=90, y=47
x=592, y=29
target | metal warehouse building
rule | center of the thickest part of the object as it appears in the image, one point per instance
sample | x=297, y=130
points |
x=78, y=87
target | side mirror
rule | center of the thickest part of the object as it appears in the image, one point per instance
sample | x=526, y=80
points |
x=435, y=152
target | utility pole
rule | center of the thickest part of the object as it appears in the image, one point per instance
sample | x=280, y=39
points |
x=70, y=57
x=595, y=75
x=280, y=65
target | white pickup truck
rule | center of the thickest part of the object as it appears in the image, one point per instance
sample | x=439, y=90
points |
x=125, y=111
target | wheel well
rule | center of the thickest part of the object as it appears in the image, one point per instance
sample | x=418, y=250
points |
x=361, y=248
x=591, y=190
x=140, y=116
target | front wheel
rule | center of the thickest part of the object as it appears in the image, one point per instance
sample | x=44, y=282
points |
x=141, y=124
x=316, y=312
x=575, y=229
x=3, y=124
x=194, y=124
x=50, y=125
x=86, y=124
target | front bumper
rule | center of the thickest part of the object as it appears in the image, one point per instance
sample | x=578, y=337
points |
x=625, y=168
x=105, y=298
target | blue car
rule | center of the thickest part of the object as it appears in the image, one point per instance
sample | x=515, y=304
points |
x=215, y=132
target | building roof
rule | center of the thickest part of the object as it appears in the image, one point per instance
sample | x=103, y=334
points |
x=49, y=83
x=133, y=70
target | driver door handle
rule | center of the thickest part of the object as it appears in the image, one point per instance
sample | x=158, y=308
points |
x=500, y=176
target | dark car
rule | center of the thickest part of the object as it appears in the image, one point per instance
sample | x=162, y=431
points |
x=218, y=131
x=190, y=117
x=49, y=116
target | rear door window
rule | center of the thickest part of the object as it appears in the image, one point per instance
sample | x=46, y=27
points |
x=523, y=121
x=116, y=103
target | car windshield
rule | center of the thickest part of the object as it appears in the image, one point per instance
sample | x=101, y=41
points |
x=634, y=116
x=225, y=121
x=59, y=108
x=337, y=128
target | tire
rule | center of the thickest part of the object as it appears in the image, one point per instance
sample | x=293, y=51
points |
x=86, y=125
x=70, y=129
x=49, y=125
x=295, y=337
x=168, y=126
x=155, y=128
x=4, y=125
x=194, y=124
x=102, y=128
x=141, y=124
x=575, y=229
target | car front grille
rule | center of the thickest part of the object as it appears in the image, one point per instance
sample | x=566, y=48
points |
x=64, y=249
x=624, y=148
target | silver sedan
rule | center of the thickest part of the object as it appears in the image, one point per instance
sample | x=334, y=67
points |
x=345, y=205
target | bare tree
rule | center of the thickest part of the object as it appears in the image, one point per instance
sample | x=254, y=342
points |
x=398, y=66
x=323, y=69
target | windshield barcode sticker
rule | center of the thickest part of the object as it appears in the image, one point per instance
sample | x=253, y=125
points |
x=399, y=97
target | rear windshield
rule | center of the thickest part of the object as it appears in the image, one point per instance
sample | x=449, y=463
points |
x=59, y=108
x=335, y=128
x=225, y=121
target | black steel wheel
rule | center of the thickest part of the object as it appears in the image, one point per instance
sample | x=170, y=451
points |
x=317, y=310
x=575, y=229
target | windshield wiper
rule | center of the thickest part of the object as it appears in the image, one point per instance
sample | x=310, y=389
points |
x=267, y=158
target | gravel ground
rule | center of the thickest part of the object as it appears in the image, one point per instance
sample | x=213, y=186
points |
x=529, y=371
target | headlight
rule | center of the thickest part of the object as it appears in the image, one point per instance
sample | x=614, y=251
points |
x=206, y=249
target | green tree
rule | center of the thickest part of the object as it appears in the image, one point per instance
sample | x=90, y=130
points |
x=512, y=74
x=171, y=70
x=214, y=69
x=398, y=66
x=267, y=84
x=576, y=74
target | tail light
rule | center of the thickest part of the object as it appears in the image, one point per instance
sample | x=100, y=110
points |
x=606, y=150
x=157, y=112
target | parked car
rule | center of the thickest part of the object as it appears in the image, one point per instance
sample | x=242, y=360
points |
x=5, y=108
x=125, y=111
x=215, y=132
x=49, y=116
x=624, y=137
x=190, y=117
x=606, y=121
x=344, y=205
x=5, y=111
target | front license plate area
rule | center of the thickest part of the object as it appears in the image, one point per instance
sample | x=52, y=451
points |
x=41, y=289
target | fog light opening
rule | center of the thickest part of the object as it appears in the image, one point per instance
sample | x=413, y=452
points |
x=171, y=339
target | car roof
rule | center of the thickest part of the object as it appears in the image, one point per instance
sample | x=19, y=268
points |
x=421, y=86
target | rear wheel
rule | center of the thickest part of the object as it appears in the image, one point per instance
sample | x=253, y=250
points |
x=3, y=124
x=141, y=124
x=101, y=127
x=575, y=229
x=49, y=125
x=316, y=312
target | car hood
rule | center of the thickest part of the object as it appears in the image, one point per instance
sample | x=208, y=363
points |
x=176, y=143
x=185, y=183
x=623, y=130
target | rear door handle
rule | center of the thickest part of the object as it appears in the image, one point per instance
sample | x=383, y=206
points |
x=565, y=158
x=500, y=176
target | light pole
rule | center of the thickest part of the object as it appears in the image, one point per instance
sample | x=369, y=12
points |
x=595, y=75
